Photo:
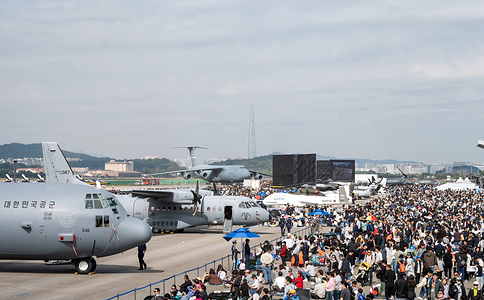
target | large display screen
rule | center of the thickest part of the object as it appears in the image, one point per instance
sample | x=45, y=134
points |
x=342, y=170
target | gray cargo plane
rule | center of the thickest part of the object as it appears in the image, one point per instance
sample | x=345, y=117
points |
x=65, y=223
x=217, y=173
x=167, y=210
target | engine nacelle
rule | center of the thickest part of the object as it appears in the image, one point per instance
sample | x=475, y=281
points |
x=187, y=175
x=205, y=174
x=256, y=176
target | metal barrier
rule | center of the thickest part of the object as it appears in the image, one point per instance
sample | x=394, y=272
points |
x=192, y=273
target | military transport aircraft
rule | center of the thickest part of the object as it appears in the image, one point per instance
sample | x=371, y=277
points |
x=217, y=173
x=64, y=223
x=168, y=210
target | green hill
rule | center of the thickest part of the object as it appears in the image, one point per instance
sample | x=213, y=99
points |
x=261, y=164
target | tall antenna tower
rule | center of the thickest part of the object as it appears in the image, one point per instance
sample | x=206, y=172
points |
x=251, y=145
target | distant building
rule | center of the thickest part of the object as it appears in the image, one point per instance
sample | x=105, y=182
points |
x=26, y=161
x=120, y=166
x=183, y=162
x=214, y=160
x=149, y=157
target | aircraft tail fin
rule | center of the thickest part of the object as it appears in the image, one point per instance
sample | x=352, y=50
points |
x=343, y=194
x=193, y=157
x=57, y=169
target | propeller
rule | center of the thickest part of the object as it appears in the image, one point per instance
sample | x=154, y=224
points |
x=404, y=175
x=196, y=197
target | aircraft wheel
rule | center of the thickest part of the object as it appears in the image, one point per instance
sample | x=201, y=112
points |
x=94, y=264
x=84, y=265
x=155, y=230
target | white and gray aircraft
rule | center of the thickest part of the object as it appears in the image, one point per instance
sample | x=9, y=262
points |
x=339, y=197
x=372, y=189
x=217, y=173
x=168, y=210
x=63, y=223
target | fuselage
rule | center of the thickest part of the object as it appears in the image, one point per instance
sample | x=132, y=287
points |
x=213, y=210
x=222, y=173
x=327, y=198
x=64, y=221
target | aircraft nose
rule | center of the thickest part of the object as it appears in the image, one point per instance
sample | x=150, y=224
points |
x=133, y=232
x=266, y=216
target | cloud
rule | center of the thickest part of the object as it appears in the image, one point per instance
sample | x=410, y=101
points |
x=353, y=79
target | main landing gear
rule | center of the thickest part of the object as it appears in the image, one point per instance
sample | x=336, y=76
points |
x=85, y=265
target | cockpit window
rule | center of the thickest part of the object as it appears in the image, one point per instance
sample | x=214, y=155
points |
x=112, y=201
x=242, y=205
x=88, y=196
x=95, y=196
x=105, y=203
x=97, y=203
x=88, y=204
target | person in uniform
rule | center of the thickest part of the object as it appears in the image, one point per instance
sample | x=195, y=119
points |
x=141, y=255
x=282, y=224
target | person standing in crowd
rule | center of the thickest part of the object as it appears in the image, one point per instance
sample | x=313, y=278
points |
x=434, y=287
x=401, y=287
x=345, y=292
x=235, y=253
x=389, y=279
x=282, y=225
x=474, y=292
x=288, y=223
x=330, y=286
x=267, y=259
x=412, y=283
x=283, y=253
x=246, y=253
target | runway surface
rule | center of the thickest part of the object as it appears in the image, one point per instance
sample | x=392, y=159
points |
x=167, y=254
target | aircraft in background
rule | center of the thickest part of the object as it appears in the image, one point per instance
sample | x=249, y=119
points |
x=339, y=197
x=400, y=181
x=167, y=210
x=372, y=189
x=217, y=173
x=65, y=224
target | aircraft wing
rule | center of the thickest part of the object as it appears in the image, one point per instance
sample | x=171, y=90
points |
x=255, y=173
x=170, y=196
x=171, y=172
x=152, y=194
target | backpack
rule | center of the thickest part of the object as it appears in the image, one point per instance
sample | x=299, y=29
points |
x=439, y=250
x=452, y=291
x=401, y=267
x=461, y=260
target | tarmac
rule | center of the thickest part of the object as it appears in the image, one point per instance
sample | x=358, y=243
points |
x=167, y=254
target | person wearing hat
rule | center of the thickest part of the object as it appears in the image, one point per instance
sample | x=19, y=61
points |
x=291, y=295
x=235, y=252
x=474, y=292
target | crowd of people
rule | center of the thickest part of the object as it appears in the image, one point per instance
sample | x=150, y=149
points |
x=413, y=242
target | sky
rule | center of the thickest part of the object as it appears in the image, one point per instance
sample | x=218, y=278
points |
x=348, y=79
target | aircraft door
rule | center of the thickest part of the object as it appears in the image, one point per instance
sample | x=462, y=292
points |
x=228, y=213
x=140, y=208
